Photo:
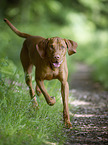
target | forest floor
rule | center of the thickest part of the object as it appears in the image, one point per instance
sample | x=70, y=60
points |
x=89, y=107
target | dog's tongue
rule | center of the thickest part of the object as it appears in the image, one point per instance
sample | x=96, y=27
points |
x=56, y=64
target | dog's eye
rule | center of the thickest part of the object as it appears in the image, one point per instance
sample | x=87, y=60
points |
x=62, y=47
x=51, y=46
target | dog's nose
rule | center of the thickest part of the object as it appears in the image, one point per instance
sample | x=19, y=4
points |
x=57, y=56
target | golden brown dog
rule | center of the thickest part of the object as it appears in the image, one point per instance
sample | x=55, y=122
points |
x=49, y=58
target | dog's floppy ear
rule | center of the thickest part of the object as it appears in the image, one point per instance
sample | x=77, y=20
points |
x=41, y=48
x=71, y=45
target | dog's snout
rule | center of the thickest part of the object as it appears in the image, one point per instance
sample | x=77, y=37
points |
x=57, y=56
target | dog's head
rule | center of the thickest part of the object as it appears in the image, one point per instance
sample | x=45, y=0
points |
x=55, y=49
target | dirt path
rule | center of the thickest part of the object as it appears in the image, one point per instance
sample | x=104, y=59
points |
x=89, y=105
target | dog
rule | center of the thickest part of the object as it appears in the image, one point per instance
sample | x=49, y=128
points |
x=49, y=58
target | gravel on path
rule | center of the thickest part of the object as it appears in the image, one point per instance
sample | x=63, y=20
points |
x=88, y=110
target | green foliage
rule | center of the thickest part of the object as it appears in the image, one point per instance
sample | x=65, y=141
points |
x=101, y=71
x=19, y=122
x=7, y=67
x=95, y=53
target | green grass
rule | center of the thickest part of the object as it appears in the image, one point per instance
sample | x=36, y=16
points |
x=20, y=124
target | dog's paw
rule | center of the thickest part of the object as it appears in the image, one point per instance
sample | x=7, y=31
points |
x=35, y=104
x=53, y=97
x=68, y=124
x=52, y=101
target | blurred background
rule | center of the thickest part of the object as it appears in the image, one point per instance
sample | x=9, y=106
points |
x=84, y=21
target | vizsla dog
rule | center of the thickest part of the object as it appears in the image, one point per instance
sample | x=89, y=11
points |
x=49, y=58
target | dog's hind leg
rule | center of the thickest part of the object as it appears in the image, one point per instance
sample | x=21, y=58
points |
x=27, y=66
x=28, y=79
x=38, y=91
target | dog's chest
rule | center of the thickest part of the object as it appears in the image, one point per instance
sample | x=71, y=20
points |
x=51, y=74
x=48, y=73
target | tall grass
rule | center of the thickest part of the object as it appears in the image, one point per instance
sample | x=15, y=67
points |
x=19, y=122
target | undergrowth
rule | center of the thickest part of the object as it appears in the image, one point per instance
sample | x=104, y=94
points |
x=19, y=122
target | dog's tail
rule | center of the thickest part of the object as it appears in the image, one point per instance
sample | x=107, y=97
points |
x=24, y=35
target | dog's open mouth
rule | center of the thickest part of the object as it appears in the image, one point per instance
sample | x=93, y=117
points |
x=57, y=64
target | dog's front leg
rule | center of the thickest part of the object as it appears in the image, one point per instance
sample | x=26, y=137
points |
x=65, y=94
x=50, y=100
